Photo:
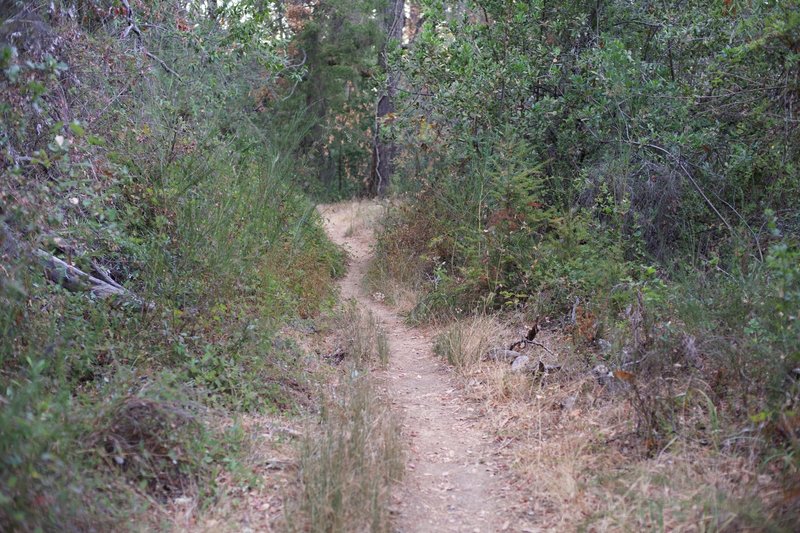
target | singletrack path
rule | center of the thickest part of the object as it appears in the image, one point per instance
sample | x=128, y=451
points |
x=452, y=481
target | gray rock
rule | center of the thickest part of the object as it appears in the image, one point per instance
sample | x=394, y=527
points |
x=603, y=375
x=502, y=355
x=520, y=364
x=604, y=345
x=523, y=363
x=569, y=403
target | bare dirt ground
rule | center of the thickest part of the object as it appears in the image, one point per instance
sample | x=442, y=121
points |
x=453, y=478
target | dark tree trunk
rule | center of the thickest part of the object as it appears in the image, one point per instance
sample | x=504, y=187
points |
x=383, y=150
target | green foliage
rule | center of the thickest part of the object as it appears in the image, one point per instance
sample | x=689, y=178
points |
x=633, y=101
x=337, y=42
x=162, y=172
x=629, y=170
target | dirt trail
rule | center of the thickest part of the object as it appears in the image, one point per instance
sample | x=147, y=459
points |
x=451, y=481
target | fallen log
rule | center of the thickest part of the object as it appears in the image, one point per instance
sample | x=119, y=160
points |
x=74, y=279
x=68, y=276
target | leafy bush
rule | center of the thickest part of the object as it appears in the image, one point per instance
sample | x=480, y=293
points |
x=142, y=160
x=627, y=171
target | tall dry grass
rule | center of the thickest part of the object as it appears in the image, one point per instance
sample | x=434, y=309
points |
x=352, y=453
x=579, y=452
x=348, y=462
x=463, y=343
x=361, y=339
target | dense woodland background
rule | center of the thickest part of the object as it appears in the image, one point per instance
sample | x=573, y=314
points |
x=627, y=172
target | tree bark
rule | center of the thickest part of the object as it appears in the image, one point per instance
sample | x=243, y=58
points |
x=384, y=150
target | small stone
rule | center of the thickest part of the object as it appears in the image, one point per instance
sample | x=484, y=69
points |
x=520, y=364
x=569, y=403
x=603, y=375
x=502, y=355
x=604, y=345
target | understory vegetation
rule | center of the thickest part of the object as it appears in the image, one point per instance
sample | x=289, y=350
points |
x=615, y=181
x=625, y=174
x=353, y=453
x=154, y=242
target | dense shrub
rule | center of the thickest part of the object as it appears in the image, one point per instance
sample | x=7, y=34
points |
x=133, y=149
x=627, y=170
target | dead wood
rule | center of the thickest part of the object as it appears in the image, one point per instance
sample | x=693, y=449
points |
x=68, y=276
x=76, y=280
x=523, y=343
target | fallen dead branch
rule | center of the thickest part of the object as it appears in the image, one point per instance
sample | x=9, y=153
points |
x=69, y=276
x=76, y=280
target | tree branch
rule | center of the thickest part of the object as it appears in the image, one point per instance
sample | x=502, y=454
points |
x=68, y=276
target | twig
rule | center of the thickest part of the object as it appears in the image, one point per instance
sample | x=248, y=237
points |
x=75, y=279
x=68, y=276
x=161, y=62
x=133, y=27
x=543, y=347
x=523, y=343
x=105, y=275
x=688, y=175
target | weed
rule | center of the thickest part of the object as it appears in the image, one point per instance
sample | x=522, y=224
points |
x=362, y=339
x=348, y=462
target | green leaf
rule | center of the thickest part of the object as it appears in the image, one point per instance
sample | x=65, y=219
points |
x=76, y=128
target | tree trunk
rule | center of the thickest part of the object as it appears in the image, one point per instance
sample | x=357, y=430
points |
x=383, y=149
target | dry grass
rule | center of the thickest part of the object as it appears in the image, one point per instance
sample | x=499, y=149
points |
x=352, y=453
x=365, y=215
x=576, y=447
x=361, y=339
x=382, y=287
x=356, y=215
x=464, y=343
x=331, y=472
x=392, y=276
x=348, y=462
x=582, y=460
